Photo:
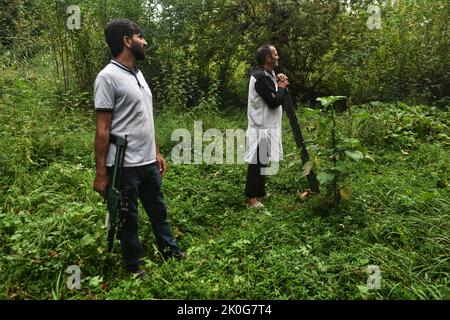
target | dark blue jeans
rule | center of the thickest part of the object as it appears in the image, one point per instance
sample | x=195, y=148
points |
x=144, y=183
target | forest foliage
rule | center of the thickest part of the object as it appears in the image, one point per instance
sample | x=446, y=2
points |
x=386, y=152
x=203, y=49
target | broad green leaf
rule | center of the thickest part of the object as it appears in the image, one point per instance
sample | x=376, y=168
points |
x=354, y=154
x=340, y=167
x=346, y=192
x=426, y=196
x=351, y=142
x=240, y=243
x=328, y=101
x=307, y=167
x=325, y=177
x=87, y=240
x=95, y=281
x=325, y=101
x=362, y=115
x=363, y=289
x=87, y=209
x=369, y=158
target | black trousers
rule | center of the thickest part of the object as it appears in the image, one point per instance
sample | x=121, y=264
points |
x=255, y=185
x=144, y=183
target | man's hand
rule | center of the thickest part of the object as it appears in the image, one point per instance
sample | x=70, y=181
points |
x=101, y=184
x=282, y=81
x=101, y=146
x=161, y=163
x=282, y=77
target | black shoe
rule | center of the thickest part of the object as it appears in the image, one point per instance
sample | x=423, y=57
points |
x=137, y=272
x=179, y=255
x=140, y=274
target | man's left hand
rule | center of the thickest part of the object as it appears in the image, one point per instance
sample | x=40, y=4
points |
x=282, y=77
x=161, y=163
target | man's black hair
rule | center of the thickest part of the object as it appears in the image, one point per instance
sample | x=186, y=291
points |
x=262, y=53
x=116, y=30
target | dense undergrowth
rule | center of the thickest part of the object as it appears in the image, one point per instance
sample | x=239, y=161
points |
x=397, y=216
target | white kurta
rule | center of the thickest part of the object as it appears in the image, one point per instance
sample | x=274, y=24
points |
x=264, y=126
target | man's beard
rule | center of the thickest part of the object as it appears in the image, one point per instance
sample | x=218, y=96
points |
x=138, y=51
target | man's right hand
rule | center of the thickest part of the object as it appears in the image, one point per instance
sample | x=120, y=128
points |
x=101, y=184
x=101, y=145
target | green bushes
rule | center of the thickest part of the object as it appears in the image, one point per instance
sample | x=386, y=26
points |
x=50, y=218
x=326, y=49
x=396, y=218
x=400, y=126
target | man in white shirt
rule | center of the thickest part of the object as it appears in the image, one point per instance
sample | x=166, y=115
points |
x=265, y=97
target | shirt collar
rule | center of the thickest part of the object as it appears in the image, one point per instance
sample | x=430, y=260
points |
x=124, y=67
x=264, y=69
x=133, y=72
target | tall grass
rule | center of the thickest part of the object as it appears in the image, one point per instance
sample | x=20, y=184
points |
x=50, y=218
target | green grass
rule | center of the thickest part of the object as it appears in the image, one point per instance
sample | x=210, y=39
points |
x=397, y=216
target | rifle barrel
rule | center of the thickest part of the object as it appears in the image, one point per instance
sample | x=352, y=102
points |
x=298, y=136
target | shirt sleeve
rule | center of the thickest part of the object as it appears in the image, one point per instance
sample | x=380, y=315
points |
x=267, y=90
x=104, y=94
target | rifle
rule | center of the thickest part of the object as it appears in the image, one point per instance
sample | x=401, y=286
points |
x=289, y=109
x=117, y=199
